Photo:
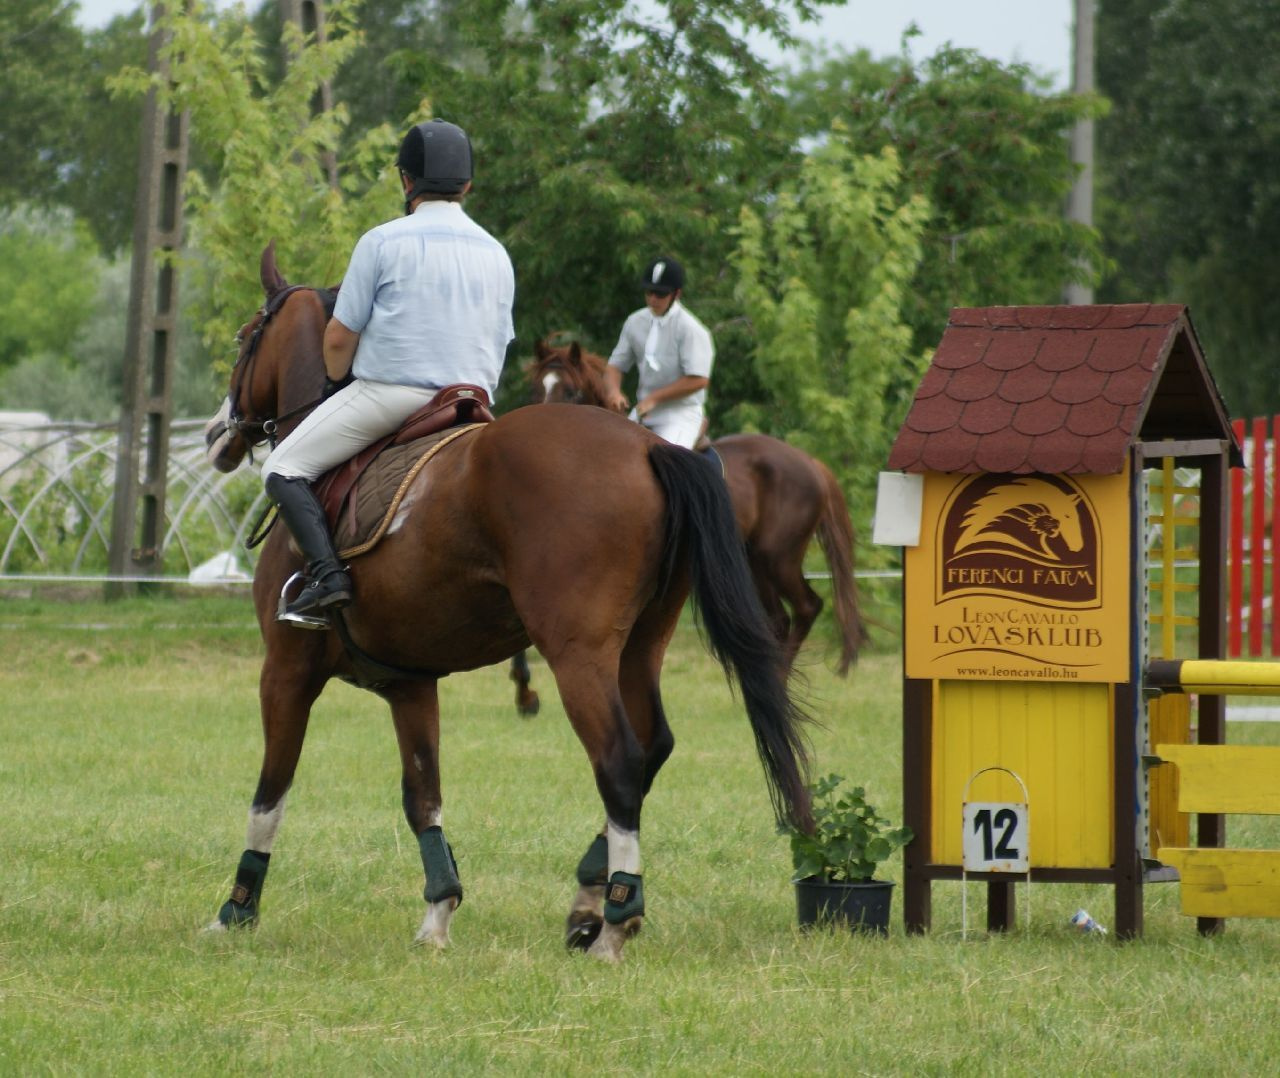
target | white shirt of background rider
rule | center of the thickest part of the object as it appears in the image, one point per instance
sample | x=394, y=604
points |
x=666, y=348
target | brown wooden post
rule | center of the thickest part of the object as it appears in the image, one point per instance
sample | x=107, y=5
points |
x=138, y=511
x=917, y=805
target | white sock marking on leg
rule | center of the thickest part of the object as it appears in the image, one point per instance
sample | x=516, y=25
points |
x=260, y=835
x=624, y=850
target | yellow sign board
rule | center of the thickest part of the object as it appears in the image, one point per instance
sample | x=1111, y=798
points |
x=1021, y=578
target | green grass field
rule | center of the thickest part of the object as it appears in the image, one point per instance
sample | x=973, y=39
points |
x=129, y=750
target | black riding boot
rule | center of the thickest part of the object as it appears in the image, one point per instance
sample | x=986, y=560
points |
x=328, y=585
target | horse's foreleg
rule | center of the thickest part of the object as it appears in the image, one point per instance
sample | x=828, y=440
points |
x=286, y=706
x=415, y=710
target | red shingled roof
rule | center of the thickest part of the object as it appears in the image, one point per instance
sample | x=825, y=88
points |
x=1059, y=390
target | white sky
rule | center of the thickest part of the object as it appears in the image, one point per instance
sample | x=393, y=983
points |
x=1036, y=32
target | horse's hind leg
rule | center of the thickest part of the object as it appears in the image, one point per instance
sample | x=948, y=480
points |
x=286, y=700
x=805, y=603
x=595, y=709
x=592, y=917
x=415, y=710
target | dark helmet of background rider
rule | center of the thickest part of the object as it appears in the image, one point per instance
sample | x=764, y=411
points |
x=436, y=155
x=663, y=275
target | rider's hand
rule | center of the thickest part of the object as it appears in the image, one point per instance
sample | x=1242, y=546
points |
x=617, y=402
x=331, y=387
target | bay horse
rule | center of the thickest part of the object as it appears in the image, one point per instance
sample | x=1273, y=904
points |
x=504, y=540
x=782, y=500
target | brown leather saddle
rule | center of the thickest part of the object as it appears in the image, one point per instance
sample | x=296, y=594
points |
x=338, y=489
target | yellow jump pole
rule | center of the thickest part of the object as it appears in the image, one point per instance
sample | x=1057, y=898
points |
x=1214, y=677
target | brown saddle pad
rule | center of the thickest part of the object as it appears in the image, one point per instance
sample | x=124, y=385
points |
x=360, y=496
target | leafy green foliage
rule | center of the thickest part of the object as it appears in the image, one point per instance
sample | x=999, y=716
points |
x=823, y=276
x=64, y=140
x=850, y=837
x=988, y=147
x=40, y=47
x=1189, y=175
x=604, y=134
x=47, y=282
x=269, y=145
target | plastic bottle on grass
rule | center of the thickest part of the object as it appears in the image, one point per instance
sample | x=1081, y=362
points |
x=1086, y=924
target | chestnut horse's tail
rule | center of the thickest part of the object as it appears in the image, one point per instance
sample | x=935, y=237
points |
x=835, y=535
x=701, y=525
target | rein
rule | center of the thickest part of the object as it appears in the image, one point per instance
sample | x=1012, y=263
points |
x=257, y=431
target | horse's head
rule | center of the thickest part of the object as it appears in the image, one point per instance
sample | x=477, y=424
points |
x=1040, y=511
x=565, y=374
x=278, y=369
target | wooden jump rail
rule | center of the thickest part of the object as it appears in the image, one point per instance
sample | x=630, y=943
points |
x=1217, y=882
x=1214, y=677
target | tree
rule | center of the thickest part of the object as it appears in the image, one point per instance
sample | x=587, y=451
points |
x=1189, y=175
x=99, y=179
x=989, y=149
x=266, y=146
x=825, y=274
x=605, y=134
x=64, y=140
x=47, y=283
x=40, y=49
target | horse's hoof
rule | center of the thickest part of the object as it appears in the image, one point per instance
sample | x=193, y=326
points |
x=235, y=915
x=608, y=945
x=581, y=932
x=530, y=705
x=216, y=926
x=435, y=925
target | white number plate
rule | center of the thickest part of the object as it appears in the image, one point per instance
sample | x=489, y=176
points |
x=996, y=837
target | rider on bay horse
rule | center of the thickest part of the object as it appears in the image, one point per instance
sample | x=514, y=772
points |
x=425, y=303
x=674, y=352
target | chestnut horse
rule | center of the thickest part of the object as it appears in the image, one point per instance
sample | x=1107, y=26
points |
x=782, y=499
x=504, y=540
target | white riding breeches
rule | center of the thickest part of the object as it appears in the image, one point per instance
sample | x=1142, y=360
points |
x=679, y=426
x=354, y=417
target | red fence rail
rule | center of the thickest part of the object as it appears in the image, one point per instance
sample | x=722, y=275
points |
x=1252, y=585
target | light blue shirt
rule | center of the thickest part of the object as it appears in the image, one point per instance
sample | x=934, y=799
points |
x=431, y=296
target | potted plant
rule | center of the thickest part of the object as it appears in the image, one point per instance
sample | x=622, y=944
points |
x=836, y=863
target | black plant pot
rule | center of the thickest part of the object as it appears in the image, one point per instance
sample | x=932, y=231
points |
x=862, y=906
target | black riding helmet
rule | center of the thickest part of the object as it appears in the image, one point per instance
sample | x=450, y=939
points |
x=436, y=155
x=663, y=275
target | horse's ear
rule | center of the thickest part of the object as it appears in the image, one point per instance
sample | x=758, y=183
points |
x=575, y=355
x=540, y=350
x=272, y=282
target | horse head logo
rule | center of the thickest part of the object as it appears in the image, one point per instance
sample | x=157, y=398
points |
x=1024, y=513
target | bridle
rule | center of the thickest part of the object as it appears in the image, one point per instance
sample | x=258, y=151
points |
x=256, y=431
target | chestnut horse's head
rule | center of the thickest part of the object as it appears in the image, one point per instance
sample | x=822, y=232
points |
x=274, y=365
x=565, y=374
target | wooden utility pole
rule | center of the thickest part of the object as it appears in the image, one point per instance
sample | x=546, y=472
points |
x=138, y=511
x=1080, y=202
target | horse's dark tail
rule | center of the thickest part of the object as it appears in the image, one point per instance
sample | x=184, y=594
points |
x=835, y=535
x=733, y=623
